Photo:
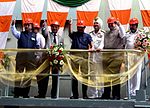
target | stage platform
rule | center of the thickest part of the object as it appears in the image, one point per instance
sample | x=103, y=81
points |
x=10, y=102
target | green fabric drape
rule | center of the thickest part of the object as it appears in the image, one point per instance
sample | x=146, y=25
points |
x=71, y=3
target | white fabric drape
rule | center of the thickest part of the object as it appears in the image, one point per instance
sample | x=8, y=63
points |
x=88, y=12
x=121, y=10
x=6, y=12
x=32, y=9
x=57, y=12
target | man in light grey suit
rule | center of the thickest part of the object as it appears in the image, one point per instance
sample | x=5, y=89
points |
x=53, y=38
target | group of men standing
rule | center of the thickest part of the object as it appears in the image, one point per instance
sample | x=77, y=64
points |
x=98, y=39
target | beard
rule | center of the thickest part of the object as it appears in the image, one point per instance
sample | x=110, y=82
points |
x=133, y=30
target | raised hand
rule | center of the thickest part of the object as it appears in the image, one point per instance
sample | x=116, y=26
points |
x=13, y=22
x=44, y=23
x=117, y=23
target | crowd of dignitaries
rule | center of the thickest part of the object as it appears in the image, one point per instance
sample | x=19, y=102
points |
x=97, y=39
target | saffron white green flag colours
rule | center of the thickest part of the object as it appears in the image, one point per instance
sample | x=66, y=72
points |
x=6, y=12
x=88, y=12
x=121, y=10
x=145, y=12
x=32, y=9
x=57, y=12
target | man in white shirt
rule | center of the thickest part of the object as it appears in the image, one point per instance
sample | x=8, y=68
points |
x=130, y=40
x=98, y=43
x=40, y=78
x=39, y=37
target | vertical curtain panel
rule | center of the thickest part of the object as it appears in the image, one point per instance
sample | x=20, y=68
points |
x=6, y=12
x=88, y=12
x=145, y=12
x=120, y=9
x=32, y=9
x=57, y=12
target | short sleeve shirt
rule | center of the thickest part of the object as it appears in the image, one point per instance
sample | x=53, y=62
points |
x=130, y=39
x=80, y=40
x=98, y=39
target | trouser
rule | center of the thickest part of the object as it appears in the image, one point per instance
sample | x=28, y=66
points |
x=95, y=71
x=22, y=83
x=19, y=91
x=136, y=80
x=111, y=65
x=115, y=91
x=54, y=89
x=80, y=61
x=75, y=88
x=42, y=77
x=42, y=81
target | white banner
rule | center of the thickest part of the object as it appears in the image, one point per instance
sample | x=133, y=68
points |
x=6, y=11
x=57, y=12
x=145, y=12
x=32, y=9
x=121, y=10
x=87, y=12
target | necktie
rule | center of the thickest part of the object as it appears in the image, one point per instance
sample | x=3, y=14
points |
x=55, y=38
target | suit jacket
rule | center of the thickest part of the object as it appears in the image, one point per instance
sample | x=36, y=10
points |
x=50, y=40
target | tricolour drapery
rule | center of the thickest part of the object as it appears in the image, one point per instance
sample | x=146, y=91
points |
x=121, y=9
x=6, y=11
x=145, y=12
x=88, y=12
x=71, y=3
x=32, y=9
x=57, y=12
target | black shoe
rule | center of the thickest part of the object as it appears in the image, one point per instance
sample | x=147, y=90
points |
x=116, y=98
x=104, y=97
x=97, y=98
x=74, y=97
x=26, y=96
x=53, y=97
x=16, y=96
x=38, y=96
x=85, y=97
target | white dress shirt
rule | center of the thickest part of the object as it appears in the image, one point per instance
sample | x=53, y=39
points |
x=98, y=39
x=40, y=40
x=50, y=40
x=135, y=81
x=130, y=39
